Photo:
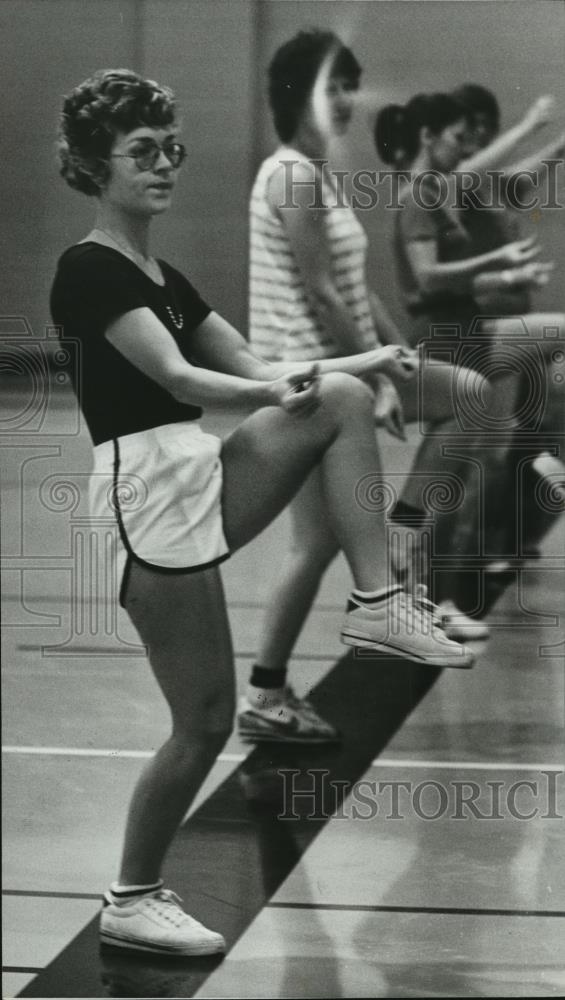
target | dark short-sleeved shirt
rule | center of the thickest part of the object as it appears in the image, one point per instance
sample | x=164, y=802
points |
x=415, y=222
x=489, y=228
x=95, y=285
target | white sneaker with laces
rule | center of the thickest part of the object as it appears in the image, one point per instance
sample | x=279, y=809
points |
x=457, y=625
x=156, y=922
x=400, y=626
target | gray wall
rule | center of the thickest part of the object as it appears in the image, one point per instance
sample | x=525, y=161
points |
x=214, y=54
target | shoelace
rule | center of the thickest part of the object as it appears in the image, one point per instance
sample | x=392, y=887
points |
x=429, y=607
x=168, y=905
x=426, y=613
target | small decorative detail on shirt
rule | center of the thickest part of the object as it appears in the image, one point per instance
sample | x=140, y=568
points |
x=177, y=318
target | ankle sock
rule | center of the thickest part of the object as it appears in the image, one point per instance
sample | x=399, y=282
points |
x=373, y=597
x=264, y=677
x=125, y=893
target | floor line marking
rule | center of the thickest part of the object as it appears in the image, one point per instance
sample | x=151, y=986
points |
x=376, y=908
x=22, y=968
x=465, y=765
x=237, y=758
x=222, y=758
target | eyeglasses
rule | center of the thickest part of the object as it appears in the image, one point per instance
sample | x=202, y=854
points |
x=147, y=154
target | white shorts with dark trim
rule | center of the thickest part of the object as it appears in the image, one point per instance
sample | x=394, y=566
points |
x=163, y=489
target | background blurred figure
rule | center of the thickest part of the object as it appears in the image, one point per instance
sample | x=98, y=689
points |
x=492, y=218
x=309, y=299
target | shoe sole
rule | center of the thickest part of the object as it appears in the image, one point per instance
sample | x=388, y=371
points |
x=114, y=941
x=365, y=642
x=284, y=738
x=467, y=636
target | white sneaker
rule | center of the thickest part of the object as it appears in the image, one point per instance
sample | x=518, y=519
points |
x=290, y=720
x=156, y=922
x=400, y=626
x=457, y=625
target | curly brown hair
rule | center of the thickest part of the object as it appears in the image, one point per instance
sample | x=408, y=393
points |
x=109, y=102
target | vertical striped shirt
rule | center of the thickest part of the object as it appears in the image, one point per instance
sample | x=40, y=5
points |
x=283, y=322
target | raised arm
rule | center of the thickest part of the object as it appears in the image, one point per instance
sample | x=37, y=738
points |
x=538, y=158
x=494, y=155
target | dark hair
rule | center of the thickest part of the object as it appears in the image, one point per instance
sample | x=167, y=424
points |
x=397, y=128
x=110, y=101
x=478, y=100
x=293, y=71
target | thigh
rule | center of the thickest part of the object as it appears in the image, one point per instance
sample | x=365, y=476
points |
x=182, y=620
x=441, y=392
x=265, y=461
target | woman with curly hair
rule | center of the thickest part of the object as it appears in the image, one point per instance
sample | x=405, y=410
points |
x=154, y=353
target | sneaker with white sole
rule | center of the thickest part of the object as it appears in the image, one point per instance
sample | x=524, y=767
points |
x=459, y=626
x=290, y=720
x=156, y=922
x=399, y=625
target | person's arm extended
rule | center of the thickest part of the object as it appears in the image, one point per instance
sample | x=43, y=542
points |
x=217, y=345
x=537, y=159
x=458, y=276
x=496, y=152
x=304, y=226
x=535, y=274
x=146, y=343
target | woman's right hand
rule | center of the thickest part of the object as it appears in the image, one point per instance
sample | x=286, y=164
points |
x=298, y=393
x=519, y=252
x=397, y=362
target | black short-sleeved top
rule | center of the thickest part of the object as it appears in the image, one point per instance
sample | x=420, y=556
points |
x=95, y=285
x=416, y=222
x=489, y=228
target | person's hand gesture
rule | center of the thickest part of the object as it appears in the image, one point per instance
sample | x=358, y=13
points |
x=541, y=112
x=299, y=393
x=519, y=252
x=397, y=362
x=536, y=274
x=388, y=409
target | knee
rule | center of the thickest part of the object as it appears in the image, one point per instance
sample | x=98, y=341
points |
x=474, y=394
x=204, y=740
x=312, y=556
x=339, y=389
x=207, y=726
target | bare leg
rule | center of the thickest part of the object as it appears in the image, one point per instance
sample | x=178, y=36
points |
x=275, y=452
x=182, y=620
x=313, y=545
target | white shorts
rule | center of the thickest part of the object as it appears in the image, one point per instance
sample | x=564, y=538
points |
x=163, y=489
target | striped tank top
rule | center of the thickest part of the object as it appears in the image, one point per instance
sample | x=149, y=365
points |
x=283, y=323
